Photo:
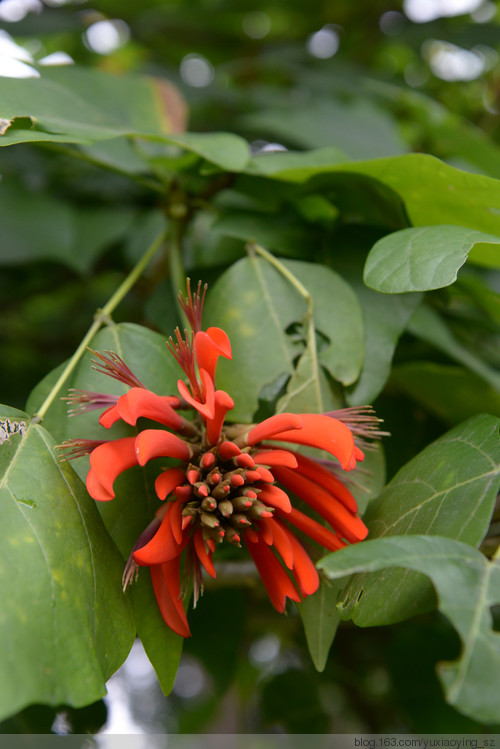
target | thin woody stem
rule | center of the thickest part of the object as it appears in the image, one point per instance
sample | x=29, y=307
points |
x=101, y=316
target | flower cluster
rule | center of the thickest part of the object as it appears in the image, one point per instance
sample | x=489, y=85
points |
x=230, y=482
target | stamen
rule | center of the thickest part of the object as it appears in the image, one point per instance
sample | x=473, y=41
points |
x=78, y=448
x=193, y=304
x=113, y=365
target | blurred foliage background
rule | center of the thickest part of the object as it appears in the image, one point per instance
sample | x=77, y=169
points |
x=372, y=78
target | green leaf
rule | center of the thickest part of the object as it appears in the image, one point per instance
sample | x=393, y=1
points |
x=281, y=233
x=163, y=647
x=448, y=489
x=385, y=319
x=64, y=617
x=133, y=508
x=227, y=150
x=144, y=352
x=467, y=586
x=83, y=105
x=419, y=259
x=337, y=316
x=254, y=304
x=430, y=327
x=57, y=230
x=357, y=127
x=80, y=105
x=256, y=320
x=452, y=393
x=308, y=388
x=433, y=192
x=320, y=619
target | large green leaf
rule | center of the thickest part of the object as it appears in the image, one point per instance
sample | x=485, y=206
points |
x=56, y=230
x=430, y=327
x=133, y=508
x=420, y=259
x=83, y=105
x=79, y=105
x=385, y=319
x=144, y=352
x=65, y=624
x=467, y=586
x=432, y=192
x=452, y=393
x=257, y=319
x=254, y=304
x=357, y=127
x=320, y=619
x=449, y=490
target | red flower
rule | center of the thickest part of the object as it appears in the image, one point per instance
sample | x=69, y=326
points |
x=233, y=482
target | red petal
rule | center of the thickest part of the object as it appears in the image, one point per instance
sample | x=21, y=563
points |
x=276, y=497
x=205, y=408
x=140, y=402
x=109, y=416
x=343, y=521
x=304, y=570
x=276, y=457
x=281, y=540
x=222, y=404
x=325, y=478
x=317, y=532
x=166, y=585
x=168, y=480
x=208, y=346
x=163, y=547
x=109, y=460
x=274, y=577
x=204, y=557
x=176, y=521
x=265, y=474
x=274, y=425
x=96, y=489
x=324, y=433
x=155, y=443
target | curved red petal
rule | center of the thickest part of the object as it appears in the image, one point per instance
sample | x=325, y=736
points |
x=109, y=460
x=176, y=521
x=276, y=581
x=324, y=433
x=221, y=339
x=274, y=425
x=304, y=571
x=343, y=521
x=168, y=481
x=165, y=579
x=141, y=402
x=163, y=547
x=281, y=540
x=205, y=408
x=204, y=556
x=96, y=489
x=276, y=457
x=311, y=469
x=208, y=346
x=156, y=443
x=109, y=417
x=317, y=532
x=222, y=404
x=275, y=497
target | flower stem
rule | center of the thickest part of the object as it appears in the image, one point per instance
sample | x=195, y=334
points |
x=101, y=316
